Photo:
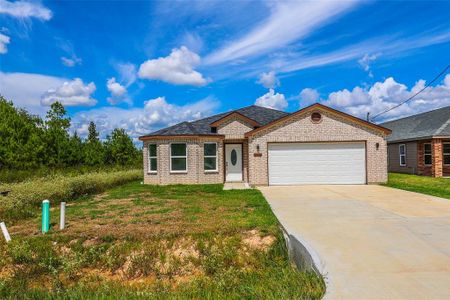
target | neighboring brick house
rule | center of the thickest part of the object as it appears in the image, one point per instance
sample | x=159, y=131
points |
x=420, y=144
x=262, y=146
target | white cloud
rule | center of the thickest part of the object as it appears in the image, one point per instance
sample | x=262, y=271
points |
x=269, y=80
x=177, y=68
x=4, y=41
x=288, y=21
x=25, y=9
x=388, y=93
x=70, y=93
x=25, y=89
x=156, y=114
x=272, y=100
x=118, y=92
x=309, y=96
x=71, y=62
x=192, y=41
x=127, y=73
x=365, y=62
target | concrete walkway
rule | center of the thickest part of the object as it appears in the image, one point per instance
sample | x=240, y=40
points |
x=370, y=242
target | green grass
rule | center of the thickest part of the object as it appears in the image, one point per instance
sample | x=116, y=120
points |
x=151, y=242
x=439, y=187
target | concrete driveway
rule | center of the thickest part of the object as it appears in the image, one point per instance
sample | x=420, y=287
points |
x=370, y=242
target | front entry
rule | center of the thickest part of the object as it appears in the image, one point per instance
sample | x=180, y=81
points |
x=233, y=162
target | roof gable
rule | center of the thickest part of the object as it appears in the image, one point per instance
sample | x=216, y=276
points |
x=258, y=114
x=318, y=106
x=235, y=114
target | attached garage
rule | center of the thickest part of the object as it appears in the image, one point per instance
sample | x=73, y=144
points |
x=317, y=163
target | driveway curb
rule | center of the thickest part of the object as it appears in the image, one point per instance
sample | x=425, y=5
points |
x=304, y=256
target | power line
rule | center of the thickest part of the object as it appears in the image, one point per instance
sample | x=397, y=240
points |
x=413, y=96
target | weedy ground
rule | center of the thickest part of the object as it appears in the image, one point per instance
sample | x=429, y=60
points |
x=151, y=242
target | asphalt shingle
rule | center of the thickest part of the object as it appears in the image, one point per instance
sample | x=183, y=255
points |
x=424, y=125
x=262, y=115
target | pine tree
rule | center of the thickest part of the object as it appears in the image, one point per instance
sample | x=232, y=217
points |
x=57, y=136
x=94, y=153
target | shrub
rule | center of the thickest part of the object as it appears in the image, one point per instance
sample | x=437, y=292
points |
x=25, y=197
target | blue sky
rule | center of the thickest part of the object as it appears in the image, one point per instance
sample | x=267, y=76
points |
x=144, y=65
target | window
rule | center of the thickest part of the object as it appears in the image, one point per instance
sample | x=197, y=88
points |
x=178, y=157
x=427, y=154
x=316, y=117
x=210, y=157
x=152, y=159
x=402, y=152
x=446, y=153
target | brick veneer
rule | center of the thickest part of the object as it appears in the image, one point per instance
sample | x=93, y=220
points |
x=195, y=173
x=234, y=128
x=436, y=168
x=422, y=169
x=332, y=128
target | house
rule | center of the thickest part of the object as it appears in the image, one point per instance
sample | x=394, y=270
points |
x=263, y=146
x=420, y=144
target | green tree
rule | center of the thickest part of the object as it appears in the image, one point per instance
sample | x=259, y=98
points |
x=120, y=148
x=21, y=137
x=75, y=150
x=94, y=152
x=57, y=136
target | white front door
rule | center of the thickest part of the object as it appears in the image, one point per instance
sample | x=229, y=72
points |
x=233, y=162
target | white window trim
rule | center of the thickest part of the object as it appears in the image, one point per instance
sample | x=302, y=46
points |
x=444, y=154
x=424, y=154
x=150, y=171
x=170, y=157
x=400, y=154
x=216, y=156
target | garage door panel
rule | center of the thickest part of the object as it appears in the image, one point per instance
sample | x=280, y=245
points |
x=317, y=163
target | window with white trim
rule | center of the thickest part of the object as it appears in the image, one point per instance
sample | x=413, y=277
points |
x=178, y=157
x=402, y=153
x=210, y=157
x=427, y=154
x=446, y=153
x=152, y=159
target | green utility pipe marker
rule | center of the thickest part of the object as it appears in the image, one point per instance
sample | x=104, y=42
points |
x=45, y=216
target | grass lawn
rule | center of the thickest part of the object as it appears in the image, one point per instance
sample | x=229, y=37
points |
x=422, y=184
x=137, y=241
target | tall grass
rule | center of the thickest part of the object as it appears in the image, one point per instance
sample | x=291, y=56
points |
x=18, y=175
x=25, y=197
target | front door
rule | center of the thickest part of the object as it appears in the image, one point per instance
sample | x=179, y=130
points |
x=233, y=162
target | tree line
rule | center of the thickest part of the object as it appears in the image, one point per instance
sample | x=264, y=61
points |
x=27, y=141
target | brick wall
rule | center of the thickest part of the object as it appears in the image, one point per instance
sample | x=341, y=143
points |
x=195, y=169
x=234, y=128
x=331, y=128
x=422, y=169
x=436, y=168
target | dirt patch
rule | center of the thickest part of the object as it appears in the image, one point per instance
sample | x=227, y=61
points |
x=254, y=240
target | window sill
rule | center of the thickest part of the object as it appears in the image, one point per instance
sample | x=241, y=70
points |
x=178, y=172
x=152, y=173
x=211, y=171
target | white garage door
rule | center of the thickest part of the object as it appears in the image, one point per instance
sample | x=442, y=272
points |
x=317, y=163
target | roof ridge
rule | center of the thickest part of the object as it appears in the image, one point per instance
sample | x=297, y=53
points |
x=269, y=108
x=417, y=115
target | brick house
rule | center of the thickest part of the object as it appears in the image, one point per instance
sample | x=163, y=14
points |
x=420, y=144
x=262, y=146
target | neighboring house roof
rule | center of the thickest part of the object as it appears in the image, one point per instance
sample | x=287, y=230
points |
x=325, y=108
x=260, y=115
x=422, y=126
